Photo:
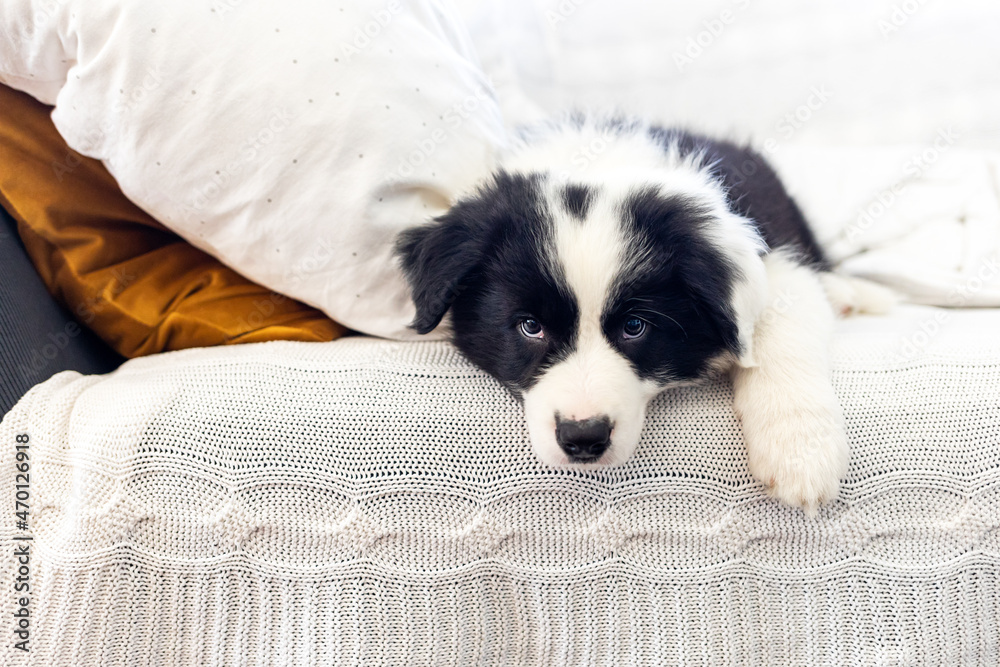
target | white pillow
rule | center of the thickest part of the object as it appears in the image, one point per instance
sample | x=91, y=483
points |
x=290, y=139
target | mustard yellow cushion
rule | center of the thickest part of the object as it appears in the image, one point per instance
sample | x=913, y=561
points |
x=140, y=287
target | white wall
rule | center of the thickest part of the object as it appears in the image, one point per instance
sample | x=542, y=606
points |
x=895, y=71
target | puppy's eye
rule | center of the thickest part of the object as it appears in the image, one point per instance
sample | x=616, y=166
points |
x=633, y=328
x=531, y=328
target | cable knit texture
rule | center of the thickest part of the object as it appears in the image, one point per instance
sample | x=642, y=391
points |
x=366, y=502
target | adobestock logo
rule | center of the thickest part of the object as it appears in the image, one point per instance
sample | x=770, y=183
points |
x=802, y=114
x=714, y=27
x=41, y=357
x=319, y=258
x=365, y=34
x=150, y=82
x=914, y=167
x=988, y=271
x=562, y=13
x=787, y=126
x=52, y=346
x=915, y=343
x=262, y=309
x=94, y=139
x=589, y=152
x=778, y=307
x=912, y=345
x=798, y=117
x=249, y=151
x=899, y=16
x=43, y=12
x=425, y=147
x=222, y=7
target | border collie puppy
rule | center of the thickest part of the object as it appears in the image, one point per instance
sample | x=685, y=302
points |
x=608, y=259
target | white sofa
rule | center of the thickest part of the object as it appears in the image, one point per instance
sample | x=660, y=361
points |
x=366, y=502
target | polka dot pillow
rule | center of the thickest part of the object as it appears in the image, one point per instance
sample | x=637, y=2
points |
x=290, y=139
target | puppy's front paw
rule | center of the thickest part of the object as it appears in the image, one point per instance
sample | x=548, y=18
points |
x=849, y=295
x=799, y=457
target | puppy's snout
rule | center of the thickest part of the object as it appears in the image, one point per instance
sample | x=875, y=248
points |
x=584, y=441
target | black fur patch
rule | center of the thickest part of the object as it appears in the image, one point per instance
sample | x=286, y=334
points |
x=681, y=289
x=754, y=191
x=486, y=260
x=439, y=257
x=577, y=200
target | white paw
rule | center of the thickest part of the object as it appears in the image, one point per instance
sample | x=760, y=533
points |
x=799, y=456
x=849, y=295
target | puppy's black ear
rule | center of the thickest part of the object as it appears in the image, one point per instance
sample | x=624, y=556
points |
x=436, y=258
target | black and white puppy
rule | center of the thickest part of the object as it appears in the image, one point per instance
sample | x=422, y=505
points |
x=607, y=259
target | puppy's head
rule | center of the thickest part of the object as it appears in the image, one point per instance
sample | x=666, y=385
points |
x=585, y=300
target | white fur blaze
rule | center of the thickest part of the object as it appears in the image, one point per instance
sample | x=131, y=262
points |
x=792, y=421
x=595, y=380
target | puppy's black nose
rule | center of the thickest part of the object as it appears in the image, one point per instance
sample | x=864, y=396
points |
x=585, y=440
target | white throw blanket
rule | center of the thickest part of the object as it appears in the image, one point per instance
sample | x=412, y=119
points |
x=924, y=220
x=374, y=503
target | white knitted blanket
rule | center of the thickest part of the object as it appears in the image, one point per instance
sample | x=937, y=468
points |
x=376, y=503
